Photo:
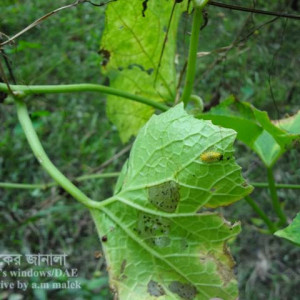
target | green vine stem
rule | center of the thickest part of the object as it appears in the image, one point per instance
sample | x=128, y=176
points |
x=274, y=197
x=263, y=216
x=23, y=90
x=191, y=68
x=26, y=186
x=277, y=185
x=44, y=186
x=43, y=159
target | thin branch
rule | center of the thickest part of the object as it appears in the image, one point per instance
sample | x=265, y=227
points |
x=238, y=41
x=245, y=38
x=253, y=10
x=274, y=59
x=112, y=159
x=83, y=87
x=182, y=72
x=260, y=212
x=224, y=51
x=8, y=66
x=274, y=197
x=164, y=43
x=43, y=18
x=97, y=176
x=38, y=21
x=4, y=78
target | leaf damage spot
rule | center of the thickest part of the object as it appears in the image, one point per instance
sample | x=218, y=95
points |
x=149, y=71
x=183, y=290
x=155, y=289
x=154, y=230
x=225, y=272
x=145, y=6
x=98, y=254
x=105, y=55
x=245, y=184
x=228, y=255
x=184, y=244
x=162, y=241
x=122, y=269
x=224, y=264
x=164, y=196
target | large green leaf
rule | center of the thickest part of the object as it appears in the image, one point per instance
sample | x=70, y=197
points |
x=159, y=238
x=132, y=45
x=292, y=232
x=267, y=138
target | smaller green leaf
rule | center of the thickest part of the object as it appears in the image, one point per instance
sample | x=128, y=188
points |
x=292, y=232
x=291, y=124
x=235, y=115
x=272, y=143
x=269, y=139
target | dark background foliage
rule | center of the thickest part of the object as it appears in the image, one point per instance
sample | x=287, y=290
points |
x=76, y=134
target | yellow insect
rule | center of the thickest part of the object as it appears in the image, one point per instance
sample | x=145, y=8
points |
x=211, y=156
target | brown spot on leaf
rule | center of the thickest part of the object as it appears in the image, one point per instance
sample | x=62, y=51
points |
x=244, y=184
x=183, y=290
x=123, y=266
x=164, y=196
x=224, y=264
x=106, y=56
x=122, y=269
x=155, y=289
x=97, y=254
x=155, y=230
x=228, y=255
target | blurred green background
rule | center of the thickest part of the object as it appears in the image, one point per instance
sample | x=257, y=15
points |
x=263, y=70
